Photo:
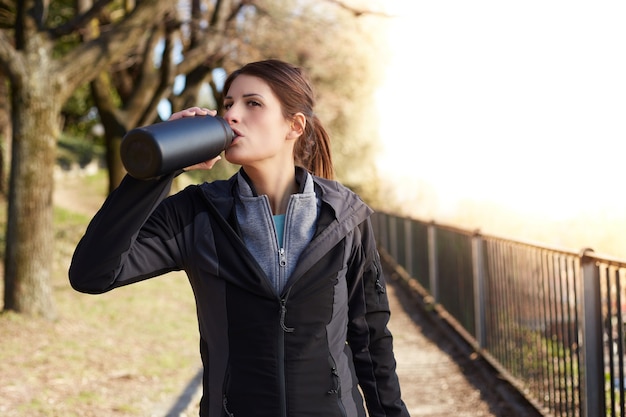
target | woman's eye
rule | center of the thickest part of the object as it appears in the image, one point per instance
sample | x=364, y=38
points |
x=254, y=103
x=228, y=105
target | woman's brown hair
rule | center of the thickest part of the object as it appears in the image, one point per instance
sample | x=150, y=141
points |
x=294, y=91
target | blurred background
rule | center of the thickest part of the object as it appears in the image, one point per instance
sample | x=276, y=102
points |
x=509, y=117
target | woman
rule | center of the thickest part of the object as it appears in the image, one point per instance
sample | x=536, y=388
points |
x=282, y=260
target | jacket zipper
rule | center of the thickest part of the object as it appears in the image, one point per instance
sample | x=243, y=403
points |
x=380, y=288
x=281, y=278
x=336, y=389
x=225, y=406
x=281, y=355
x=283, y=313
x=282, y=249
x=225, y=387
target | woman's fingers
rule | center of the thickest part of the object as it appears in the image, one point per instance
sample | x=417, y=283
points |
x=193, y=111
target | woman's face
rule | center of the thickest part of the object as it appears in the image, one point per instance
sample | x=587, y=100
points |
x=255, y=114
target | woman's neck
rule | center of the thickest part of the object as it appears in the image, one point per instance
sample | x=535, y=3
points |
x=278, y=185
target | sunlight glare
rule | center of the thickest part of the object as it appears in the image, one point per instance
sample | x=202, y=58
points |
x=522, y=104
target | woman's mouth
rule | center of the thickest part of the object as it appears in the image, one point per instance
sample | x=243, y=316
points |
x=235, y=137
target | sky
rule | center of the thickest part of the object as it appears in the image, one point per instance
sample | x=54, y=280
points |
x=521, y=103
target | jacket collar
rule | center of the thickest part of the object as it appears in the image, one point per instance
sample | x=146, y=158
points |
x=338, y=202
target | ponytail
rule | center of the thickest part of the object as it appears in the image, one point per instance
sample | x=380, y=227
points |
x=312, y=150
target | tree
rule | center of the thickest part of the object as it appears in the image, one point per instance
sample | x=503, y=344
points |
x=42, y=76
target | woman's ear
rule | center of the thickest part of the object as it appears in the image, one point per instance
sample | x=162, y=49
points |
x=298, y=123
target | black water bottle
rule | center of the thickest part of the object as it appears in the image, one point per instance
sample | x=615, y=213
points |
x=151, y=151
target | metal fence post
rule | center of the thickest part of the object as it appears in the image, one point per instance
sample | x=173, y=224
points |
x=432, y=261
x=376, y=226
x=393, y=237
x=383, y=238
x=408, y=247
x=479, y=289
x=592, y=364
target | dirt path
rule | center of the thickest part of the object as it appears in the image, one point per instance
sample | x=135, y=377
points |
x=439, y=379
x=433, y=384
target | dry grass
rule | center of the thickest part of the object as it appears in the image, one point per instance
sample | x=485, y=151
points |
x=129, y=352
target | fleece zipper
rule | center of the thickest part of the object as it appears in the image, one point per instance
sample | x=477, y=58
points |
x=283, y=247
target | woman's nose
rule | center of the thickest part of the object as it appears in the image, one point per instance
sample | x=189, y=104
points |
x=231, y=116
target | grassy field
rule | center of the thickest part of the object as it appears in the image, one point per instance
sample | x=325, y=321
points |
x=129, y=352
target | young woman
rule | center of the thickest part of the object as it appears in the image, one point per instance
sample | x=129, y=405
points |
x=282, y=260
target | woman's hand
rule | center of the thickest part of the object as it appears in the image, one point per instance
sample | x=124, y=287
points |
x=204, y=165
x=192, y=112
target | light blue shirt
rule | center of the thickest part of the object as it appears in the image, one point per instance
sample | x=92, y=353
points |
x=279, y=223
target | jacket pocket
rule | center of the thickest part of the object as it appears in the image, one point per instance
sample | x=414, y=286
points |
x=335, y=385
x=225, y=387
x=225, y=406
x=377, y=272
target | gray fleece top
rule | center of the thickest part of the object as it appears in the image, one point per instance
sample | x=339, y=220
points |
x=277, y=259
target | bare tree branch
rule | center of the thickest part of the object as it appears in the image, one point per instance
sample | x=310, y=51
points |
x=79, y=21
x=87, y=60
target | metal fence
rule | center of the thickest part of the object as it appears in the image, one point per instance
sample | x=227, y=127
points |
x=550, y=320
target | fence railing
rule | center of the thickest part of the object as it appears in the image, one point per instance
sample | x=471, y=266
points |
x=551, y=320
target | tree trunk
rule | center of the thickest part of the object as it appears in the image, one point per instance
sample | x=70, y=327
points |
x=114, y=129
x=29, y=236
x=5, y=132
x=114, y=162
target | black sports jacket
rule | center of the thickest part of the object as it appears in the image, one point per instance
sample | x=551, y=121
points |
x=303, y=352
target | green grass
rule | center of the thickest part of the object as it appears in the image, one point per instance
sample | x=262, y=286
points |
x=123, y=353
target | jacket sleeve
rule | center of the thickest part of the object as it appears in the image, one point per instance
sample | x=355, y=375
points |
x=369, y=338
x=112, y=253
